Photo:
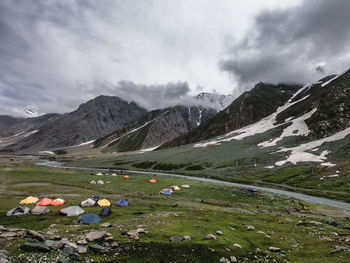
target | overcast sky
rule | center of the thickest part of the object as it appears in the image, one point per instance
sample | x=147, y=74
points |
x=55, y=55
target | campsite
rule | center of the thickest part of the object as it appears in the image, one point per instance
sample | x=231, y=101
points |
x=196, y=222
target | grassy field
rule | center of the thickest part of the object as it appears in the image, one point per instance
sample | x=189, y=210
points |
x=200, y=210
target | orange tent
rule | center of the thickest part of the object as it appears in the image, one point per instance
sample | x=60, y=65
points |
x=58, y=201
x=152, y=181
x=126, y=176
x=44, y=202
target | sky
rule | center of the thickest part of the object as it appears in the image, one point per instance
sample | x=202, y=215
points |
x=57, y=54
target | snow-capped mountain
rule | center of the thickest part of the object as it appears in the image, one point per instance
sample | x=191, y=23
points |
x=214, y=100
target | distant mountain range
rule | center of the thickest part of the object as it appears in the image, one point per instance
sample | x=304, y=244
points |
x=103, y=118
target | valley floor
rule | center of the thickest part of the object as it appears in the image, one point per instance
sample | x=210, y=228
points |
x=304, y=232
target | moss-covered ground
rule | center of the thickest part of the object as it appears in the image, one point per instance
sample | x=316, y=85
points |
x=202, y=209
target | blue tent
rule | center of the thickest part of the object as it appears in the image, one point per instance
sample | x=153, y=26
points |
x=252, y=190
x=166, y=192
x=90, y=218
x=105, y=211
x=122, y=202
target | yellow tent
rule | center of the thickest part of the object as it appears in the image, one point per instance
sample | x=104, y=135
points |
x=176, y=188
x=104, y=202
x=29, y=200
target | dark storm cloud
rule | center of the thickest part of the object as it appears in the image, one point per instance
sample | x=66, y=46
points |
x=288, y=44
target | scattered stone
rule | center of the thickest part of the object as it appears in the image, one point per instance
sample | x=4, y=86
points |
x=315, y=223
x=53, y=225
x=114, y=244
x=274, y=249
x=210, y=237
x=35, y=245
x=258, y=250
x=93, y=182
x=82, y=249
x=142, y=231
x=331, y=221
x=109, y=238
x=338, y=249
x=300, y=223
x=237, y=245
x=250, y=228
x=35, y=235
x=82, y=242
x=40, y=210
x=4, y=256
x=97, y=248
x=54, y=245
x=176, y=239
x=63, y=260
x=133, y=234
x=75, y=257
x=54, y=237
x=8, y=234
x=224, y=260
x=233, y=259
x=96, y=235
x=68, y=249
x=220, y=233
x=186, y=237
x=106, y=224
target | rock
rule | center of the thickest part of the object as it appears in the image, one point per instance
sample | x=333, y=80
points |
x=233, y=259
x=142, y=231
x=186, y=237
x=220, y=233
x=82, y=249
x=4, y=256
x=8, y=234
x=338, y=249
x=63, y=260
x=97, y=248
x=106, y=225
x=100, y=182
x=237, y=245
x=54, y=237
x=82, y=242
x=74, y=257
x=210, y=237
x=35, y=235
x=315, y=223
x=133, y=234
x=114, y=244
x=93, y=182
x=40, y=210
x=176, y=239
x=54, y=245
x=68, y=250
x=224, y=260
x=109, y=238
x=250, y=228
x=258, y=250
x=53, y=225
x=35, y=245
x=331, y=221
x=300, y=223
x=109, y=234
x=274, y=249
x=96, y=235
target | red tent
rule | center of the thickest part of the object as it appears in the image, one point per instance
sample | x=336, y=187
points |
x=44, y=202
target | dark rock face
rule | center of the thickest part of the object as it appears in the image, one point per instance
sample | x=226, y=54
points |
x=248, y=108
x=91, y=120
x=157, y=128
x=8, y=121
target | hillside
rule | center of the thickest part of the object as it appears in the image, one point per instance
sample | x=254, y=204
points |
x=248, y=108
x=155, y=128
x=90, y=121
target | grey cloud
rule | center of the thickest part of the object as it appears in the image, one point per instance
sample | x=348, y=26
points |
x=288, y=44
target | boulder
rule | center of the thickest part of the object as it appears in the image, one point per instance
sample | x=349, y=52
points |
x=93, y=182
x=224, y=260
x=82, y=249
x=274, y=249
x=338, y=249
x=35, y=245
x=40, y=210
x=250, y=228
x=18, y=211
x=4, y=256
x=54, y=245
x=100, y=182
x=8, y=234
x=88, y=203
x=106, y=224
x=133, y=234
x=35, y=235
x=96, y=235
x=210, y=237
x=186, y=237
x=331, y=221
x=237, y=245
x=176, y=239
x=97, y=248
x=220, y=233
x=233, y=259
x=82, y=242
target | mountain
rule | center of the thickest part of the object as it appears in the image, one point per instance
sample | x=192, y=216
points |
x=248, y=108
x=214, y=100
x=155, y=128
x=8, y=121
x=90, y=121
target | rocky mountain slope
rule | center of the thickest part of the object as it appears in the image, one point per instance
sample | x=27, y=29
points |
x=90, y=121
x=7, y=121
x=214, y=100
x=248, y=108
x=157, y=127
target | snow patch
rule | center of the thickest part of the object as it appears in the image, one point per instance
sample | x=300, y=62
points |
x=328, y=164
x=269, y=167
x=300, y=154
x=46, y=152
x=148, y=149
